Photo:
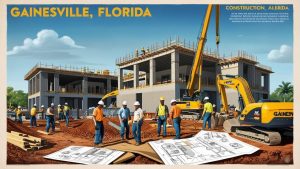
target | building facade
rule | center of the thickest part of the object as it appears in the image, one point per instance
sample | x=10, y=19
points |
x=80, y=88
x=164, y=71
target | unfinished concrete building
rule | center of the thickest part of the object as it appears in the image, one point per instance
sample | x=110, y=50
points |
x=163, y=71
x=257, y=76
x=81, y=88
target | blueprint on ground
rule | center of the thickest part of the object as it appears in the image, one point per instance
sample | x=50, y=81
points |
x=85, y=155
x=204, y=147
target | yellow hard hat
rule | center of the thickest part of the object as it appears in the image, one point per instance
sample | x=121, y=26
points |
x=161, y=98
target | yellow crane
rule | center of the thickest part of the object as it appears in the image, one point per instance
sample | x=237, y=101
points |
x=192, y=102
x=265, y=120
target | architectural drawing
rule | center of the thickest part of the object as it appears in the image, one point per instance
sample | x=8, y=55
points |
x=85, y=155
x=205, y=147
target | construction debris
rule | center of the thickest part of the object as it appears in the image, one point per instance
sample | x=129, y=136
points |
x=25, y=141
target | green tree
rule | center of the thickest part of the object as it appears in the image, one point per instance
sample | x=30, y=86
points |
x=284, y=92
x=16, y=98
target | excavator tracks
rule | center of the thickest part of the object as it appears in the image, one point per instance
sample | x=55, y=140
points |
x=269, y=137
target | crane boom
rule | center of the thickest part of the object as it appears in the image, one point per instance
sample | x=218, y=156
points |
x=198, y=60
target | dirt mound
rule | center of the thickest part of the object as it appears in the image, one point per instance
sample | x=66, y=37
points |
x=13, y=126
x=87, y=130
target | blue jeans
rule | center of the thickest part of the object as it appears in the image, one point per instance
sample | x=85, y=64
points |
x=20, y=118
x=99, y=132
x=67, y=120
x=162, y=120
x=124, y=125
x=206, y=118
x=32, y=121
x=136, y=130
x=176, y=124
x=50, y=121
x=61, y=116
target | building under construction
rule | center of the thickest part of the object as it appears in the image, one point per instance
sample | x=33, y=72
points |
x=163, y=70
x=80, y=87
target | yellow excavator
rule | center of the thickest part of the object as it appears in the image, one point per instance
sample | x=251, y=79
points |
x=265, y=121
x=191, y=101
x=111, y=94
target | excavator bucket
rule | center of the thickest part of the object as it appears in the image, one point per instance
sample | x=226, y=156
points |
x=230, y=125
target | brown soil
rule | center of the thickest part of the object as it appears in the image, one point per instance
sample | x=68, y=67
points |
x=81, y=133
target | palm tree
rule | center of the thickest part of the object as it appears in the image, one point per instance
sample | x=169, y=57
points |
x=286, y=90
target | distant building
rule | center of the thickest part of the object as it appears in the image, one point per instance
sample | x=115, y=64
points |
x=257, y=76
x=81, y=88
x=163, y=70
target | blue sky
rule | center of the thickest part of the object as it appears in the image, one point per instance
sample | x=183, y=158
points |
x=99, y=41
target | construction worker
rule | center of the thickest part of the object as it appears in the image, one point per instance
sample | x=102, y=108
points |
x=50, y=118
x=19, y=114
x=98, y=115
x=231, y=111
x=175, y=116
x=162, y=113
x=42, y=111
x=33, y=113
x=124, y=116
x=138, y=116
x=60, y=112
x=207, y=111
x=66, y=113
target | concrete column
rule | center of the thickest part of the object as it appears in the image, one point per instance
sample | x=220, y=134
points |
x=84, y=103
x=43, y=82
x=108, y=88
x=174, y=67
x=240, y=68
x=85, y=85
x=56, y=82
x=32, y=86
x=56, y=99
x=152, y=70
x=120, y=79
x=136, y=75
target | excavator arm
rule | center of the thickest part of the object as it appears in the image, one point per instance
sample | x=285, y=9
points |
x=113, y=93
x=234, y=82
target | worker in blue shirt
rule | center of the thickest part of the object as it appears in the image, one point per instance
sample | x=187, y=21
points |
x=124, y=116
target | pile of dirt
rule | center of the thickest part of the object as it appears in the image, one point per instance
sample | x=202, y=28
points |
x=87, y=130
x=14, y=126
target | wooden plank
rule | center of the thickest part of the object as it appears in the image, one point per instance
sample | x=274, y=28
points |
x=19, y=143
x=28, y=137
x=143, y=149
x=43, y=132
x=123, y=158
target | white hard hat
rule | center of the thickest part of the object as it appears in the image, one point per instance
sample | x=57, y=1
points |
x=42, y=106
x=206, y=98
x=19, y=107
x=66, y=103
x=214, y=105
x=52, y=104
x=101, y=103
x=59, y=105
x=124, y=103
x=34, y=104
x=137, y=103
x=172, y=101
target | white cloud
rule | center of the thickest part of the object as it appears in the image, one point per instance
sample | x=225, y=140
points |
x=282, y=55
x=46, y=42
